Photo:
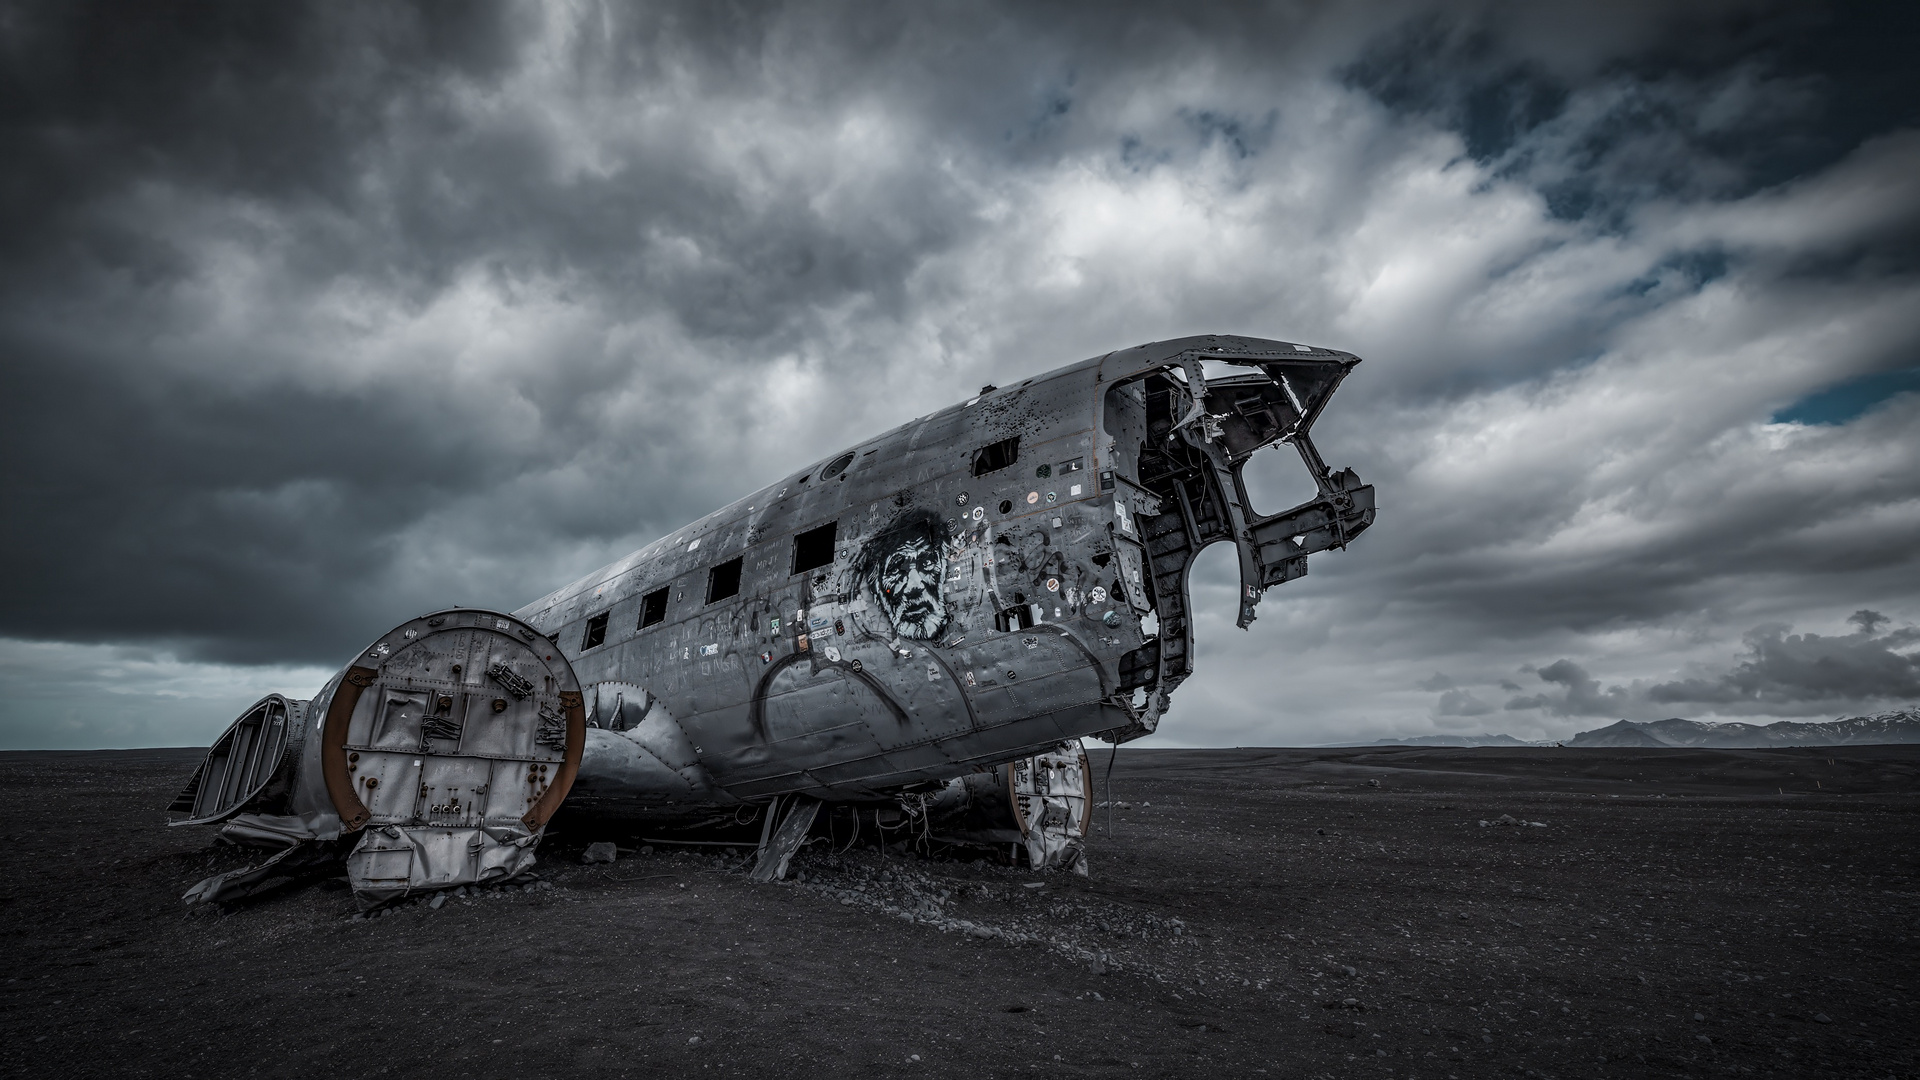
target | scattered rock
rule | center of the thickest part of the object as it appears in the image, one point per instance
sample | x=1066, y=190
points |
x=438, y=900
x=1822, y=1018
x=600, y=852
x=1373, y=783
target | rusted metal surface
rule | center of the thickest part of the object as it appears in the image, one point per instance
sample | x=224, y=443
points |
x=333, y=734
x=571, y=747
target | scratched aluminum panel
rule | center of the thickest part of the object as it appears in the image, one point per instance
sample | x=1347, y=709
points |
x=512, y=789
x=396, y=723
x=814, y=715
x=456, y=790
x=387, y=782
x=506, y=733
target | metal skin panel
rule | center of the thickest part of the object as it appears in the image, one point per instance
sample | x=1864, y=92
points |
x=965, y=620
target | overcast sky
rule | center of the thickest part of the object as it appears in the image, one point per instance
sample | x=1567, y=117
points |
x=313, y=319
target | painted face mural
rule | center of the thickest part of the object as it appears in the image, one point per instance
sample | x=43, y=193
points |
x=904, y=566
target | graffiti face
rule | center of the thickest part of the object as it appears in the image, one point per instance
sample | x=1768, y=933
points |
x=909, y=586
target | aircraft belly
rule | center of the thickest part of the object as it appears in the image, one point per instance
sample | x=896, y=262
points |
x=1039, y=670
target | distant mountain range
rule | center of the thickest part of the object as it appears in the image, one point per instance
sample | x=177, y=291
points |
x=1900, y=726
x=1451, y=740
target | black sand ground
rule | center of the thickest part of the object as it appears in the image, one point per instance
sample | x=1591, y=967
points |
x=1681, y=913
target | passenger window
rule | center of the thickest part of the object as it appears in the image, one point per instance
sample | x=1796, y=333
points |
x=653, y=607
x=996, y=456
x=1017, y=617
x=596, y=631
x=814, y=548
x=723, y=581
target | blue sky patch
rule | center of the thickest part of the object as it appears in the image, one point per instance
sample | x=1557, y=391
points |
x=1841, y=402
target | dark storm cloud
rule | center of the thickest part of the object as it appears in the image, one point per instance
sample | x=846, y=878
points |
x=1782, y=673
x=1786, y=668
x=1582, y=696
x=1462, y=703
x=1710, y=98
x=317, y=316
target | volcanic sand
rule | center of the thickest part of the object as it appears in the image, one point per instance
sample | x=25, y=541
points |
x=1292, y=912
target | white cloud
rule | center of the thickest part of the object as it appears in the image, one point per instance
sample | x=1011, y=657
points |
x=564, y=306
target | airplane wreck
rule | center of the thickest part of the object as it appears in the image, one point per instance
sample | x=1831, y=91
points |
x=915, y=633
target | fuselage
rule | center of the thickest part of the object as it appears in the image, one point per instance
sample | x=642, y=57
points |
x=963, y=590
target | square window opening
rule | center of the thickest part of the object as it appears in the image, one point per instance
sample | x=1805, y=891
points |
x=814, y=548
x=653, y=607
x=723, y=581
x=1017, y=617
x=996, y=456
x=596, y=632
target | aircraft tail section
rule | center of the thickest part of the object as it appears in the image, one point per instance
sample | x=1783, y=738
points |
x=433, y=760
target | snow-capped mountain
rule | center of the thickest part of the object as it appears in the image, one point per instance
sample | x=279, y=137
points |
x=1900, y=726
